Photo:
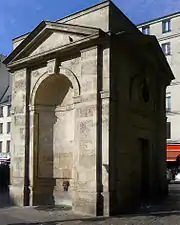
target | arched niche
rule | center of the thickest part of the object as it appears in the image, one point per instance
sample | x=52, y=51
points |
x=53, y=135
x=62, y=71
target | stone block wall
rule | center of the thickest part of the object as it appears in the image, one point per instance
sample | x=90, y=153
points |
x=86, y=135
x=18, y=148
x=133, y=121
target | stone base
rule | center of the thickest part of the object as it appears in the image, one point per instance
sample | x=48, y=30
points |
x=84, y=203
x=62, y=197
x=42, y=192
x=94, y=204
x=43, y=197
x=106, y=204
x=16, y=195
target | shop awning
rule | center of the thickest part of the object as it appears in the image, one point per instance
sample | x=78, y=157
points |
x=172, y=151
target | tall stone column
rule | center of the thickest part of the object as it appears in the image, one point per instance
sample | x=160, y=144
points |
x=19, y=144
x=105, y=152
x=33, y=141
x=105, y=129
x=85, y=168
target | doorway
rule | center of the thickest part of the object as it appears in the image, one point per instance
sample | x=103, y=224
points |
x=144, y=168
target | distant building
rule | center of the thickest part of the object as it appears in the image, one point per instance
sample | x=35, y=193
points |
x=5, y=106
x=167, y=31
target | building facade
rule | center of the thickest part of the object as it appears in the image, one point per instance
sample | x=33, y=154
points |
x=5, y=107
x=5, y=127
x=88, y=113
x=167, y=31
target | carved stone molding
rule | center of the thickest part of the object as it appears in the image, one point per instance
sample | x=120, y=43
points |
x=33, y=108
x=77, y=99
x=52, y=66
x=64, y=108
x=72, y=77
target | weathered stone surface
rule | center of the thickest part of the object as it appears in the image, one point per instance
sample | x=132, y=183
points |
x=89, y=54
x=20, y=84
x=89, y=84
x=86, y=111
x=54, y=41
x=19, y=109
x=73, y=64
x=89, y=67
x=35, y=75
x=82, y=122
x=19, y=120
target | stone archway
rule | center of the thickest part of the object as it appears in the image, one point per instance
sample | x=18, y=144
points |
x=66, y=72
x=54, y=118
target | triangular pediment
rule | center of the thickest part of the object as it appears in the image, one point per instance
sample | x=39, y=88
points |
x=48, y=36
x=55, y=40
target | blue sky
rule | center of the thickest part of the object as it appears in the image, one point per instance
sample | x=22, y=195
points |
x=21, y=16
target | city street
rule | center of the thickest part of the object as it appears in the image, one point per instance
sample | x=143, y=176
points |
x=168, y=212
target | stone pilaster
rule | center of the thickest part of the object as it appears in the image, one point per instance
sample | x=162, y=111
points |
x=105, y=94
x=85, y=170
x=105, y=152
x=19, y=128
x=33, y=145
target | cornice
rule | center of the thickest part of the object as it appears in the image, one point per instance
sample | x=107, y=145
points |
x=42, y=31
x=168, y=37
x=160, y=19
x=65, y=48
x=85, y=11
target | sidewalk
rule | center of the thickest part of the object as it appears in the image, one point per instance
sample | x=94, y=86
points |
x=33, y=216
x=168, y=212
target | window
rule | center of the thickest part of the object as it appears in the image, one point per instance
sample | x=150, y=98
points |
x=168, y=102
x=9, y=111
x=8, y=127
x=166, y=26
x=166, y=48
x=0, y=146
x=1, y=128
x=146, y=30
x=1, y=111
x=8, y=146
x=168, y=130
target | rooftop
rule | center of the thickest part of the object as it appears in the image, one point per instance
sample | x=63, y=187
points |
x=158, y=19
